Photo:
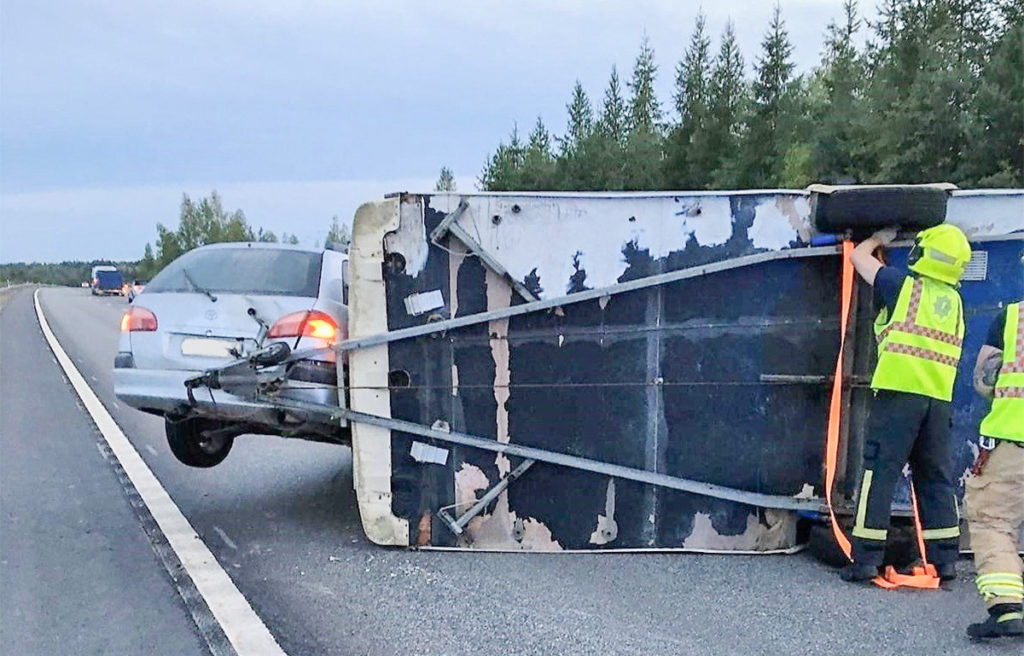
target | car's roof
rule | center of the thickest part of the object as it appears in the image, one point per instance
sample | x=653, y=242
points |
x=259, y=244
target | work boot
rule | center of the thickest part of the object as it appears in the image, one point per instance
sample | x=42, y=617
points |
x=857, y=573
x=1004, y=621
x=947, y=571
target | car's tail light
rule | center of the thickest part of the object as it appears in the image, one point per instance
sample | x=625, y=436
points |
x=137, y=319
x=311, y=323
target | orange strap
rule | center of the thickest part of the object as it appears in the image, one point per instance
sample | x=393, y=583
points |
x=923, y=576
x=835, y=410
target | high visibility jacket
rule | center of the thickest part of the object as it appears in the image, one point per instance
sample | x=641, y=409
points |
x=1006, y=418
x=919, y=345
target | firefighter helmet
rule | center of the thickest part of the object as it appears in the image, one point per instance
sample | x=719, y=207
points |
x=941, y=252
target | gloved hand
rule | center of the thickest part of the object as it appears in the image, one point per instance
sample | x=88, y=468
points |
x=885, y=236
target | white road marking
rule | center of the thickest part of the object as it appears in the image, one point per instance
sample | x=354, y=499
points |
x=224, y=536
x=240, y=623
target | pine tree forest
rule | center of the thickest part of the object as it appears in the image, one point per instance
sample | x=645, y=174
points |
x=927, y=91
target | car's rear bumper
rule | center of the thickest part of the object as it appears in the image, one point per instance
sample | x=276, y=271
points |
x=163, y=392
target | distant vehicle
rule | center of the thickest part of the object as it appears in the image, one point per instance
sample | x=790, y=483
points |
x=134, y=289
x=225, y=302
x=106, y=280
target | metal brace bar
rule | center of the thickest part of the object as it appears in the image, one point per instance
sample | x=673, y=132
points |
x=810, y=379
x=450, y=225
x=449, y=219
x=579, y=297
x=460, y=233
x=555, y=458
x=457, y=525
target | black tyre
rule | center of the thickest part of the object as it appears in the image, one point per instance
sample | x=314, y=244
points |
x=900, y=549
x=823, y=546
x=866, y=209
x=196, y=443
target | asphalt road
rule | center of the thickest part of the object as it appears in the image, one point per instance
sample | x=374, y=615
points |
x=281, y=518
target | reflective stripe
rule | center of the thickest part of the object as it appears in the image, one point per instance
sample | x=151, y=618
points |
x=941, y=533
x=909, y=325
x=1005, y=577
x=1008, y=617
x=1005, y=419
x=1000, y=584
x=859, y=530
x=923, y=353
x=879, y=534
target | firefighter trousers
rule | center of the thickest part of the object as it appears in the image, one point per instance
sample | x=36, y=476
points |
x=916, y=429
x=994, y=501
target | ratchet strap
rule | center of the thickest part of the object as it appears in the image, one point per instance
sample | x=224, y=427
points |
x=835, y=410
x=923, y=576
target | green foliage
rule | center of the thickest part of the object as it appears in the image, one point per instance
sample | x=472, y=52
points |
x=728, y=101
x=68, y=273
x=937, y=94
x=538, y=169
x=445, y=182
x=770, y=120
x=688, y=155
x=644, y=110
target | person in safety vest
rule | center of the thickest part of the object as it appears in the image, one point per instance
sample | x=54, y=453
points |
x=919, y=333
x=994, y=494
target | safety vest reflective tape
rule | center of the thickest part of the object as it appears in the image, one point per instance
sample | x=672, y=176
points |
x=919, y=346
x=918, y=352
x=1005, y=420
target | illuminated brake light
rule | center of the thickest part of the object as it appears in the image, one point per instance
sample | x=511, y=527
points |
x=138, y=319
x=307, y=324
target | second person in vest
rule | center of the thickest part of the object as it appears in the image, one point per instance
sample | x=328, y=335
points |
x=919, y=333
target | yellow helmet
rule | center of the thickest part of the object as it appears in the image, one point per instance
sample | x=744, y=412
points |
x=941, y=252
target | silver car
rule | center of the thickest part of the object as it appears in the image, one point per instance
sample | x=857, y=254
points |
x=223, y=303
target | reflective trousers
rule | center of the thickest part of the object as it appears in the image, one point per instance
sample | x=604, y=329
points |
x=994, y=501
x=916, y=429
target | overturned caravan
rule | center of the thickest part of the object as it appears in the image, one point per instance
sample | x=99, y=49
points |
x=621, y=371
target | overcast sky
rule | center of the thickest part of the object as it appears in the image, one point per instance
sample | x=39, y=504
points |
x=296, y=111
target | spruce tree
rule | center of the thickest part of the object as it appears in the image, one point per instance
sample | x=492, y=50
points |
x=644, y=111
x=605, y=152
x=687, y=155
x=767, y=141
x=538, y=169
x=502, y=170
x=837, y=114
x=613, y=112
x=445, y=181
x=728, y=99
x=581, y=122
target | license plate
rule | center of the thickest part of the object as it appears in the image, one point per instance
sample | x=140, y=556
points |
x=209, y=348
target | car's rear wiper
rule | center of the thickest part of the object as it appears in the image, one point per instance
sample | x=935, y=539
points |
x=197, y=287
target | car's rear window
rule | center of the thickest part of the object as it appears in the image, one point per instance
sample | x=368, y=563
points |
x=242, y=270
